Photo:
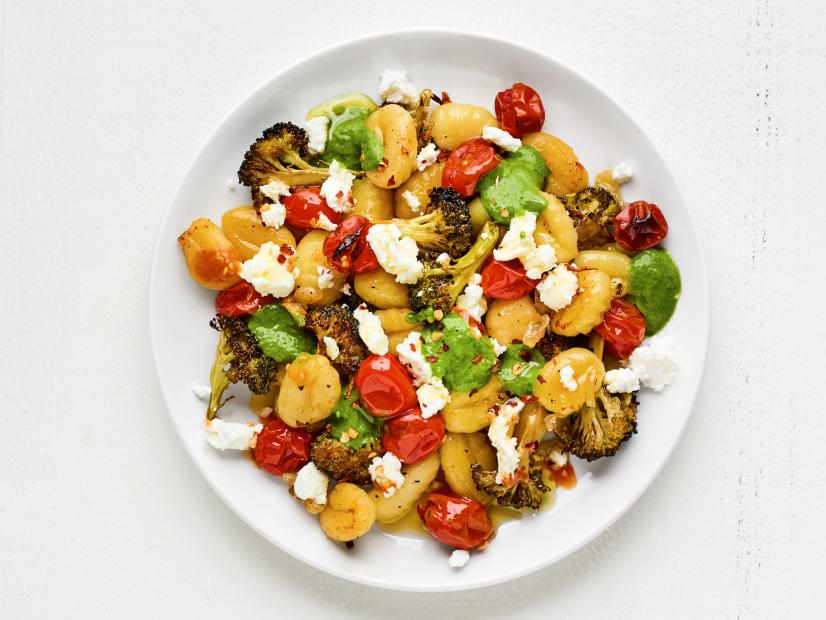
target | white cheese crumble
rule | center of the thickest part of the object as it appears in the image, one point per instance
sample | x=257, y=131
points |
x=566, y=377
x=396, y=254
x=498, y=348
x=558, y=288
x=472, y=300
x=500, y=435
x=270, y=271
x=273, y=215
x=231, y=435
x=337, y=189
x=621, y=380
x=396, y=88
x=386, y=473
x=653, y=365
x=458, y=559
x=201, y=391
x=311, y=483
x=411, y=200
x=559, y=459
x=428, y=156
x=275, y=189
x=443, y=259
x=325, y=277
x=317, y=134
x=332, y=347
x=500, y=138
x=518, y=242
x=323, y=222
x=232, y=185
x=345, y=289
x=622, y=173
x=370, y=331
x=409, y=352
x=432, y=396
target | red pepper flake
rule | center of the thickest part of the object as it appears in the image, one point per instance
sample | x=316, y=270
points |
x=286, y=249
x=529, y=398
x=432, y=359
x=281, y=259
x=445, y=97
x=540, y=378
x=445, y=348
x=473, y=391
x=412, y=347
x=476, y=359
x=349, y=391
x=392, y=180
x=531, y=446
x=525, y=354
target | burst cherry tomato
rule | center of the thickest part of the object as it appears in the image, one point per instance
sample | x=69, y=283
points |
x=385, y=387
x=639, y=226
x=467, y=163
x=347, y=248
x=622, y=328
x=280, y=449
x=411, y=437
x=460, y=522
x=519, y=110
x=506, y=280
x=305, y=206
x=241, y=299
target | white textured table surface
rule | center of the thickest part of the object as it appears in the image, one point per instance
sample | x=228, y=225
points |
x=102, y=104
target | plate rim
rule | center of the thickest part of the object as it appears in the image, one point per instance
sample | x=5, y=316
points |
x=621, y=508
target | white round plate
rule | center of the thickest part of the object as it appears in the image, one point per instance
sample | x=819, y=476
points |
x=472, y=68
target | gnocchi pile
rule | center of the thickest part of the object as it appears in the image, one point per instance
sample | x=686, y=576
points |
x=434, y=309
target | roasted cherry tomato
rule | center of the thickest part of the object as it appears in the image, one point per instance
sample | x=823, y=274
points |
x=460, y=522
x=241, y=299
x=305, y=206
x=385, y=387
x=519, y=110
x=506, y=280
x=281, y=449
x=347, y=249
x=639, y=226
x=622, y=328
x=411, y=437
x=467, y=163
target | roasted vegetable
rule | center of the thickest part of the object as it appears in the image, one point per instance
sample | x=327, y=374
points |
x=598, y=430
x=592, y=210
x=342, y=462
x=440, y=284
x=337, y=322
x=525, y=493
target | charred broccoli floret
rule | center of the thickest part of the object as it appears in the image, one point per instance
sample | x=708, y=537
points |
x=592, y=210
x=445, y=226
x=527, y=493
x=342, y=462
x=336, y=321
x=440, y=284
x=237, y=358
x=598, y=430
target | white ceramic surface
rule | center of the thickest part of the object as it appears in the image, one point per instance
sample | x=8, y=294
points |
x=471, y=68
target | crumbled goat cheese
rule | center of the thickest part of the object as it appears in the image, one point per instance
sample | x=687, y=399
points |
x=566, y=377
x=655, y=363
x=518, y=243
x=273, y=215
x=411, y=200
x=270, y=271
x=275, y=189
x=428, y=156
x=201, y=391
x=311, y=483
x=337, y=189
x=409, y=352
x=501, y=437
x=432, y=396
x=317, y=134
x=558, y=288
x=622, y=172
x=559, y=459
x=472, y=300
x=386, y=473
x=370, y=331
x=443, y=259
x=498, y=348
x=458, y=559
x=396, y=88
x=323, y=222
x=621, y=380
x=332, y=347
x=396, y=254
x=231, y=435
x=325, y=277
x=500, y=138
x=232, y=185
x=345, y=289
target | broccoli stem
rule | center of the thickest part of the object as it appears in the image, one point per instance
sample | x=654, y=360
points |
x=218, y=379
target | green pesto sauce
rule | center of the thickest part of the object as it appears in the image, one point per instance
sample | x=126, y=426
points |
x=351, y=143
x=513, y=187
x=278, y=335
x=654, y=286
x=468, y=360
x=520, y=383
x=348, y=413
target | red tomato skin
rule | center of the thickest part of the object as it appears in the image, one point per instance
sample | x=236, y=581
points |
x=385, y=387
x=305, y=205
x=347, y=249
x=281, y=449
x=506, y=279
x=459, y=522
x=411, y=437
x=519, y=110
x=622, y=328
x=467, y=164
x=241, y=299
x=639, y=226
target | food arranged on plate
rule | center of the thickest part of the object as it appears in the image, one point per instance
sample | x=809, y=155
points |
x=433, y=309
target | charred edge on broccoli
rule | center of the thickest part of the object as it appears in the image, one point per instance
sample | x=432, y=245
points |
x=342, y=462
x=592, y=210
x=598, y=430
x=522, y=494
x=337, y=321
x=445, y=226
